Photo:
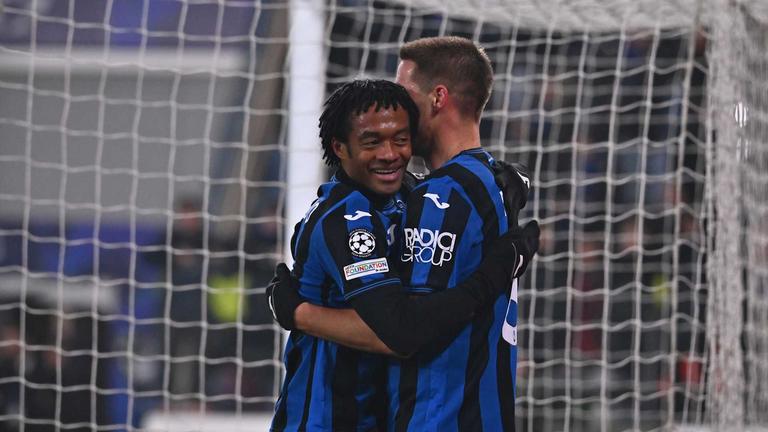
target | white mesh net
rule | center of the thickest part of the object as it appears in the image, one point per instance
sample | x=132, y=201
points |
x=143, y=184
x=142, y=195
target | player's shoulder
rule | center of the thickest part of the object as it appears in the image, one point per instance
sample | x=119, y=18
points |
x=335, y=194
x=470, y=171
x=355, y=208
x=436, y=187
x=345, y=209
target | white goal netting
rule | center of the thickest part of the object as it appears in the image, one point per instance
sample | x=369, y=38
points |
x=151, y=153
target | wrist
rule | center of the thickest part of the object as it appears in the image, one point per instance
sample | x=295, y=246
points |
x=302, y=316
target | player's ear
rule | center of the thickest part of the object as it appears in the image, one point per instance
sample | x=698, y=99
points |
x=340, y=149
x=439, y=96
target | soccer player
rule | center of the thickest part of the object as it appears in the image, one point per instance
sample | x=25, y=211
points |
x=342, y=260
x=470, y=385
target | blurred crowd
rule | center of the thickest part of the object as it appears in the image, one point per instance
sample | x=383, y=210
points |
x=188, y=330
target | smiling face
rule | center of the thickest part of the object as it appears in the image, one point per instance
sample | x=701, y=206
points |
x=377, y=150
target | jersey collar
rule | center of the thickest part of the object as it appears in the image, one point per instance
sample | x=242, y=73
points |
x=471, y=151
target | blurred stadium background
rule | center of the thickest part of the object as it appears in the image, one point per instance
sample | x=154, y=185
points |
x=154, y=154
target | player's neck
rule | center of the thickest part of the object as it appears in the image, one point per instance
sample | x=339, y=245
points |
x=452, y=140
x=378, y=200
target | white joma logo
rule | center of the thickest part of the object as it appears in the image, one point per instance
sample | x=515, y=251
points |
x=358, y=214
x=436, y=199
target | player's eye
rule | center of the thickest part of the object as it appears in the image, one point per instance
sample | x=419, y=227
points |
x=402, y=139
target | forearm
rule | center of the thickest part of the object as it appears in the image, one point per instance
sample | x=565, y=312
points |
x=387, y=320
x=343, y=326
x=406, y=324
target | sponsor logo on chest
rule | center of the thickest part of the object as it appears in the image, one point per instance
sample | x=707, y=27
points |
x=428, y=246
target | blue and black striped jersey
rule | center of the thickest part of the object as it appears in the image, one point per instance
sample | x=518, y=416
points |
x=451, y=219
x=341, y=250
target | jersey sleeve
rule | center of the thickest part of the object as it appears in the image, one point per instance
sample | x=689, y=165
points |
x=356, y=247
x=439, y=221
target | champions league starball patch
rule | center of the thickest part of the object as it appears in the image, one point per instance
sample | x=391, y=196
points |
x=361, y=243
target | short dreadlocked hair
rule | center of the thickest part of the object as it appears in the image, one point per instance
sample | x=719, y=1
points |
x=354, y=98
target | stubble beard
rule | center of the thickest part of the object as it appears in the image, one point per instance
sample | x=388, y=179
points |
x=422, y=147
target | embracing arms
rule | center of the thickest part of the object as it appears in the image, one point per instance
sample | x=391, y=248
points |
x=389, y=320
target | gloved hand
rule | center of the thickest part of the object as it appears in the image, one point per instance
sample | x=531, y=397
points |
x=283, y=297
x=507, y=258
x=526, y=241
x=514, y=182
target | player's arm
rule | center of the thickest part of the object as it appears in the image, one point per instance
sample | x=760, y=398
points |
x=407, y=323
x=403, y=323
x=293, y=312
x=387, y=319
x=343, y=326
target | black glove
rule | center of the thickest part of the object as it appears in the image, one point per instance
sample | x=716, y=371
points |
x=526, y=241
x=507, y=258
x=283, y=297
x=514, y=182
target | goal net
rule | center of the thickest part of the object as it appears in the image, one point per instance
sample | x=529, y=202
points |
x=154, y=154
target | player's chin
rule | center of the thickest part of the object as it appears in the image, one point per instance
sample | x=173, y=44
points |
x=387, y=181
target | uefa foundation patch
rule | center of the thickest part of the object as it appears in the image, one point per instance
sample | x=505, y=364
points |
x=365, y=268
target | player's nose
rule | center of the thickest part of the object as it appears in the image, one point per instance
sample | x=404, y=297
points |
x=387, y=151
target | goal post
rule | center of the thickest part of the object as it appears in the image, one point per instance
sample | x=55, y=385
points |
x=155, y=156
x=307, y=93
x=737, y=311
